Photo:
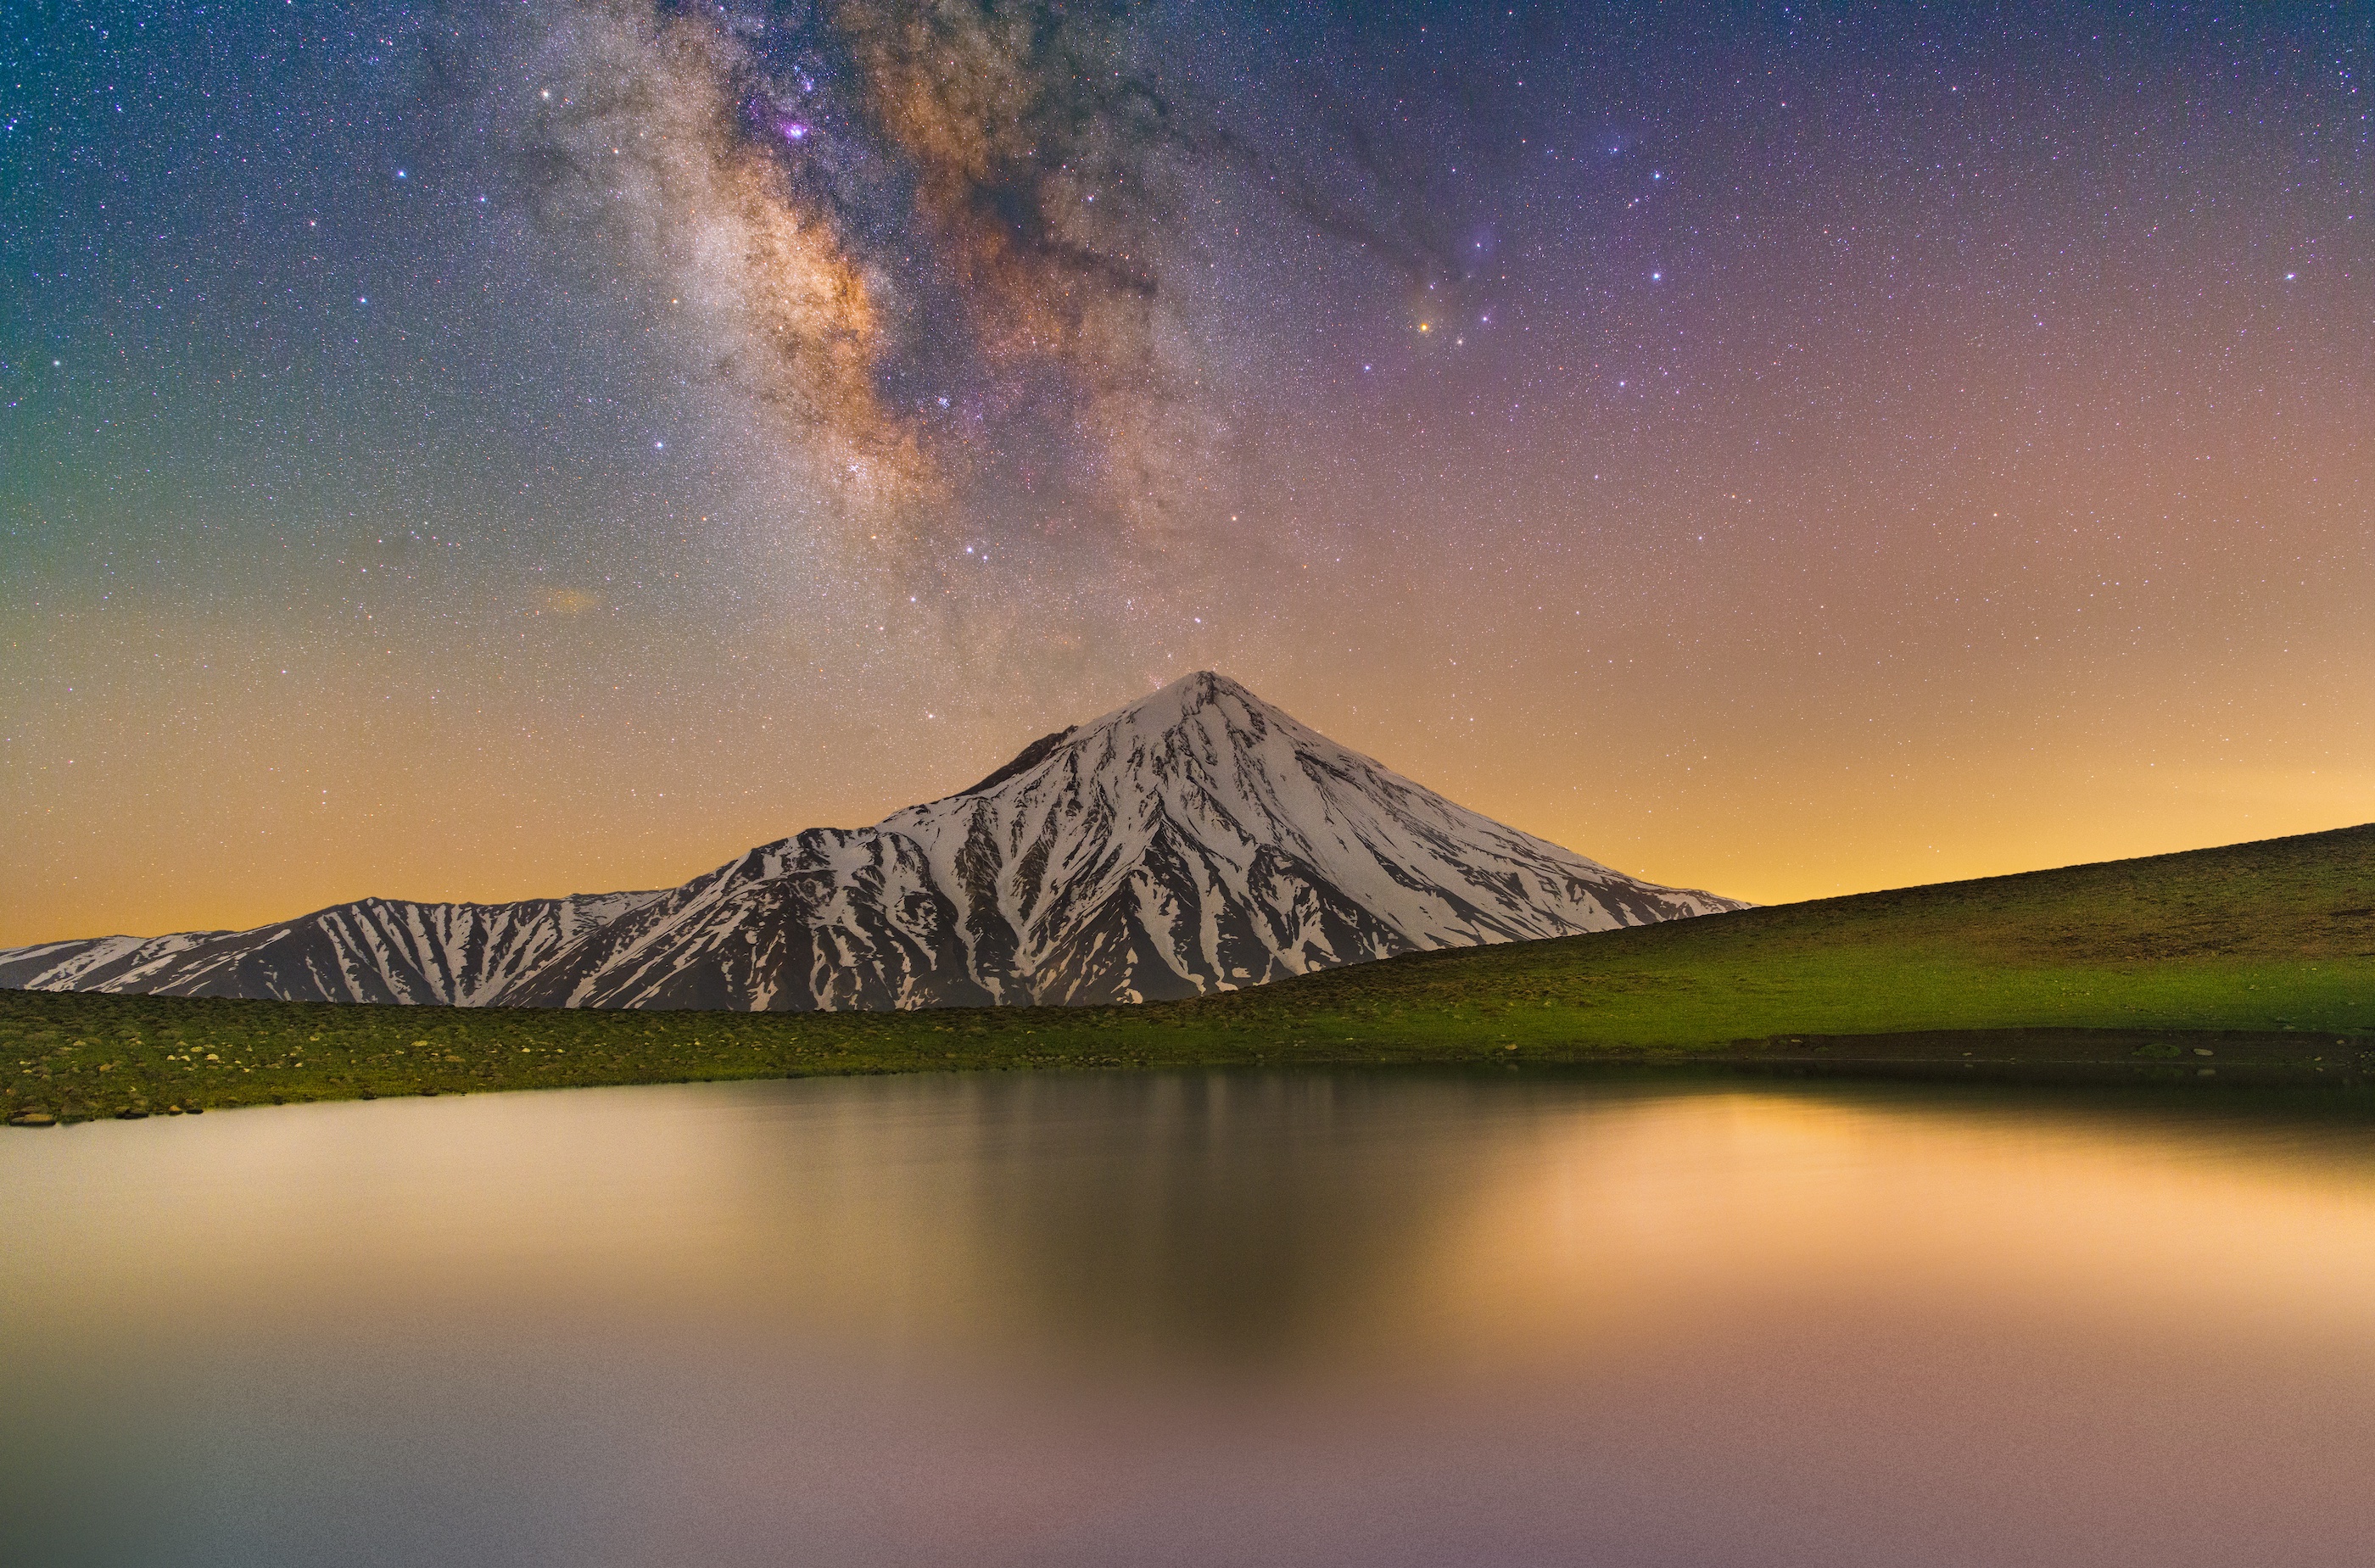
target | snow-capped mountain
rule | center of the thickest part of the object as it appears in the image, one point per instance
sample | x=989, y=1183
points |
x=1198, y=840
x=373, y=950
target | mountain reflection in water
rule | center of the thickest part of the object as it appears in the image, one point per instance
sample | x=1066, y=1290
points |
x=1200, y=1319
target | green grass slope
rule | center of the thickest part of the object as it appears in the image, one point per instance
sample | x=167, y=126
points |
x=2256, y=937
x=2275, y=940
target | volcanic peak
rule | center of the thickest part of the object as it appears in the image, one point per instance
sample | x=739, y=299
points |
x=1193, y=841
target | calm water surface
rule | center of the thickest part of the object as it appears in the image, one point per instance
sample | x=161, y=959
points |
x=1227, y=1319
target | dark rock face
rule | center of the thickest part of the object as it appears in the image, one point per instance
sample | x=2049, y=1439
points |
x=1198, y=840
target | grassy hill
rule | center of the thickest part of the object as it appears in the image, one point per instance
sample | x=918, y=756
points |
x=2268, y=947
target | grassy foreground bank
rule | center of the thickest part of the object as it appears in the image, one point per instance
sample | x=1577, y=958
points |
x=2260, y=953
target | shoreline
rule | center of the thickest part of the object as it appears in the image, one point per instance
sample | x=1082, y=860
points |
x=140, y=1081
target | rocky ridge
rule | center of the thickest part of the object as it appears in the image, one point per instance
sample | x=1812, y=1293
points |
x=1197, y=840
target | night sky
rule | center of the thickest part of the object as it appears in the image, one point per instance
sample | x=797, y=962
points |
x=478, y=450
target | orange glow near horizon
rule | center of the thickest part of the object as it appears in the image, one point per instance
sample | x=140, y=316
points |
x=1915, y=471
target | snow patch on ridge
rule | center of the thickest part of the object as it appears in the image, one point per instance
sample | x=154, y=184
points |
x=1197, y=840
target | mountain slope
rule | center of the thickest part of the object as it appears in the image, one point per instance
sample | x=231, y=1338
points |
x=2249, y=964
x=1196, y=841
x=371, y=951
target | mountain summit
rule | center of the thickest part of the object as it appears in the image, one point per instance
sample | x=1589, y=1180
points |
x=1197, y=840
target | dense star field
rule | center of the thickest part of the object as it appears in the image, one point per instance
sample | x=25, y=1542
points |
x=482, y=450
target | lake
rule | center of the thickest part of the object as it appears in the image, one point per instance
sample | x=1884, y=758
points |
x=1207, y=1319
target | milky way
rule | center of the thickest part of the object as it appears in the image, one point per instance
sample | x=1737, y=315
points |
x=494, y=449
x=939, y=246
x=952, y=250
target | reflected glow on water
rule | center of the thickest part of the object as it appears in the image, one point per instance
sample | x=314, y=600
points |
x=1191, y=1319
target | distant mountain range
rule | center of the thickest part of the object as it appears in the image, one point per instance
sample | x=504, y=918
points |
x=1199, y=839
